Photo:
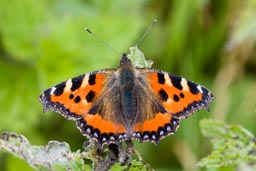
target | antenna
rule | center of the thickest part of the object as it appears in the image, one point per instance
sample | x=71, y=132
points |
x=100, y=40
x=146, y=32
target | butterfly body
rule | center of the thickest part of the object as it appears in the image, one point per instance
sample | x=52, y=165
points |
x=111, y=106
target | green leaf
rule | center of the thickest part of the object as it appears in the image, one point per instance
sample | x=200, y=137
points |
x=57, y=156
x=138, y=58
x=118, y=167
x=54, y=156
x=233, y=145
x=135, y=165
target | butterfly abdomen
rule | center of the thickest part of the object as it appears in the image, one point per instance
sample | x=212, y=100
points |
x=127, y=93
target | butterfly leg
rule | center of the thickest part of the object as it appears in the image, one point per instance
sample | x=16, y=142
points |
x=110, y=159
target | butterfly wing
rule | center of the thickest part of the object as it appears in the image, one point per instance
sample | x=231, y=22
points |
x=73, y=98
x=77, y=99
x=178, y=97
x=93, y=101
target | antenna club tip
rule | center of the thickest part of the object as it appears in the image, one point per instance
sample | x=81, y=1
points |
x=88, y=30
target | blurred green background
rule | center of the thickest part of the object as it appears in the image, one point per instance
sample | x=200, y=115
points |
x=43, y=42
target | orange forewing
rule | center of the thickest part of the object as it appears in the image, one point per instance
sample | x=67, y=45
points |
x=82, y=107
x=171, y=105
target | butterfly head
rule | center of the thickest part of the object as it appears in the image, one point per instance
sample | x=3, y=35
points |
x=125, y=60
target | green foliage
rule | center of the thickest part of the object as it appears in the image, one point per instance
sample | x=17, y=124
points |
x=56, y=156
x=135, y=165
x=233, y=145
x=138, y=58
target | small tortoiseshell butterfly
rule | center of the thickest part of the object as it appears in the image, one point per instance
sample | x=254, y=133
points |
x=113, y=105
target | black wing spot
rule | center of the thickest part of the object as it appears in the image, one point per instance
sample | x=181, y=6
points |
x=176, y=81
x=59, y=89
x=76, y=82
x=77, y=99
x=163, y=95
x=94, y=109
x=182, y=95
x=92, y=79
x=46, y=93
x=71, y=96
x=176, y=98
x=89, y=97
x=193, y=87
x=161, y=79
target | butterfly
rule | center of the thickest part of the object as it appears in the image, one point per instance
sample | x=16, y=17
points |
x=128, y=103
